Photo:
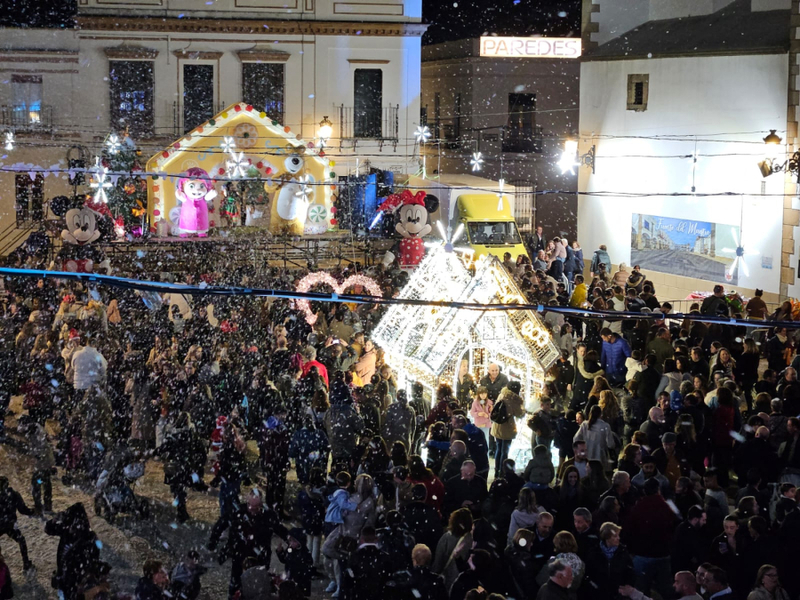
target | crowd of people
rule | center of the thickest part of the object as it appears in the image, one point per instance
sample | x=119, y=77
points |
x=663, y=460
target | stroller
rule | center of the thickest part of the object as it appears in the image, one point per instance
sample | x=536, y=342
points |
x=114, y=487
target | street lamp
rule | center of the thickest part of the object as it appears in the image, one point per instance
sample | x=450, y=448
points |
x=772, y=156
x=570, y=159
x=325, y=130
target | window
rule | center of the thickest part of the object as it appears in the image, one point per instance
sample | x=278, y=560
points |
x=638, y=91
x=27, y=95
x=423, y=116
x=132, y=91
x=263, y=86
x=198, y=95
x=519, y=135
x=367, y=109
x=494, y=233
x=29, y=197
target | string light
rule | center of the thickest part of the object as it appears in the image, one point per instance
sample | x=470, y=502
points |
x=9, y=140
x=324, y=278
x=100, y=183
x=113, y=143
x=477, y=162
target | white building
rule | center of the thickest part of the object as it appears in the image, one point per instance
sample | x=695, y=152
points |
x=164, y=66
x=517, y=112
x=676, y=98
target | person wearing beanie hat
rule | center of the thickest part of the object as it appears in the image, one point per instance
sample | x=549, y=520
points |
x=507, y=409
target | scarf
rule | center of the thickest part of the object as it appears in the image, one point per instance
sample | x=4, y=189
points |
x=782, y=338
x=609, y=552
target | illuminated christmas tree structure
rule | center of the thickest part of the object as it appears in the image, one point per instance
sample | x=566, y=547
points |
x=427, y=343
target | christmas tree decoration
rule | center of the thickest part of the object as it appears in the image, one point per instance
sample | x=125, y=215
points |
x=125, y=191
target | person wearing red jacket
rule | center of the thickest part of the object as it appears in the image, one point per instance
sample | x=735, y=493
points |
x=649, y=531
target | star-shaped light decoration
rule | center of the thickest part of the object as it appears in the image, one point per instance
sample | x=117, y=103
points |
x=476, y=162
x=739, y=253
x=228, y=144
x=305, y=189
x=9, y=140
x=100, y=182
x=238, y=165
x=113, y=143
x=448, y=243
x=422, y=134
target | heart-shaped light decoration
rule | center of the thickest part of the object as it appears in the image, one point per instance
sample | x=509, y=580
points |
x=323, y=278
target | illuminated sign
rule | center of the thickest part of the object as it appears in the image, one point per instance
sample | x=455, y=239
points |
x=530, y=47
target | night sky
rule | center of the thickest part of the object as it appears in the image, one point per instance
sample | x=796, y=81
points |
x=449, y=19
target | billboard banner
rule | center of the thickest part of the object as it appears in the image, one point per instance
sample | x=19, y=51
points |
x=685, y=247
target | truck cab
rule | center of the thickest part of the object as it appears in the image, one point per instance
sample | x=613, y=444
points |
x=487, y=229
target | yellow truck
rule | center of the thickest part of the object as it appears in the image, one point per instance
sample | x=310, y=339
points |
x=489, y=225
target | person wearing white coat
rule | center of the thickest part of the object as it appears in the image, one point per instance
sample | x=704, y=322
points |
x=598, y=437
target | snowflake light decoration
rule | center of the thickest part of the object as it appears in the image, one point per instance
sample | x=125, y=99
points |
x=228, y=144
x=237, y=165
x=739, y=253
x=100, y=182
x=305, y=189
x=9, y=140
x=476, y=162
x=113, y=143
x=422, y=134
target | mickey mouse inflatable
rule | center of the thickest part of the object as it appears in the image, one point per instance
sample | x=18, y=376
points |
x=86, y=222
x=411, y=215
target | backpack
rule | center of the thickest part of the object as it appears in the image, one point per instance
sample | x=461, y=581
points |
x=499, y=412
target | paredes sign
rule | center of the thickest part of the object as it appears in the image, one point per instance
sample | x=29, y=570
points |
x=530, y=47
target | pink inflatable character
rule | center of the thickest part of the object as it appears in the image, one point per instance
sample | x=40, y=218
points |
x=195, y=190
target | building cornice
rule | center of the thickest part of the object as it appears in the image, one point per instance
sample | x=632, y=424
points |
x=9, y=55
x=263, y=55
x=687, y=54
x=249, y=26
x=127, y=52
x=197, y=55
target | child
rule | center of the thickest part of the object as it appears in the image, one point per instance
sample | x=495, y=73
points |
x=186, y=577
x=297, y=558
x=312, y=511
x=481, y=410
x=634, y=364
x=334, y=517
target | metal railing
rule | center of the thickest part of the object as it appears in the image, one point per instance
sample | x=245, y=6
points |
x=22, y=118
x=375, y=124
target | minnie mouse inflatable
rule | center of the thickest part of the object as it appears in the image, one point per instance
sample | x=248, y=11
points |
x=86, y=222
x=411, y=215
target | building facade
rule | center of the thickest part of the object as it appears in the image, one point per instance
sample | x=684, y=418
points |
x=162, y=67
x=676, y=98
x=516, y=112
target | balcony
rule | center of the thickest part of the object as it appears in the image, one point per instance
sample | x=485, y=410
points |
x=24, y=119
x=526, y=140
x=379, y=124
